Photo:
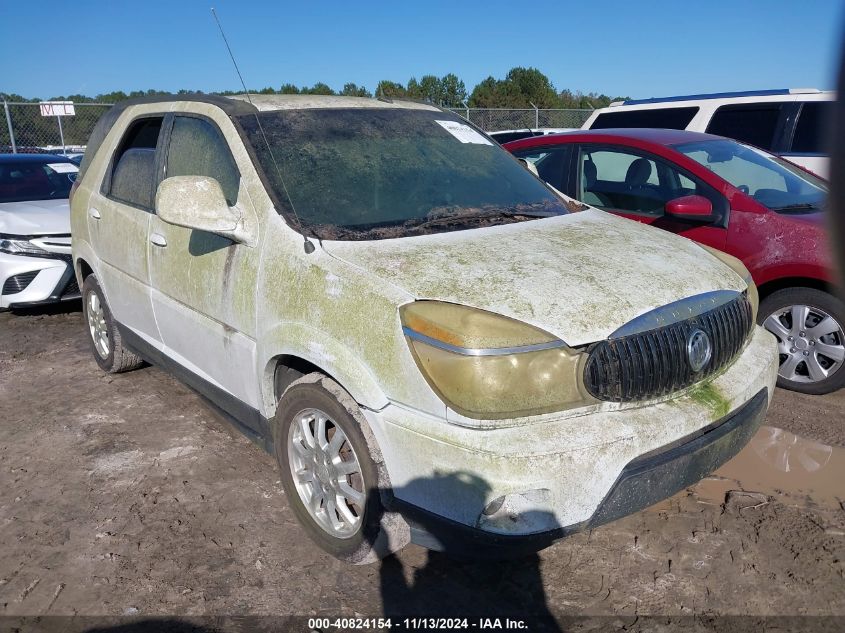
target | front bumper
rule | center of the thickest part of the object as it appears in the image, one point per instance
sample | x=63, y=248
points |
x=562, y=472
x=27, y=281
x=643, y=482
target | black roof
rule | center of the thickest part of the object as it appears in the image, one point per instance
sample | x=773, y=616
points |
x=34, y=158
x=232, y=107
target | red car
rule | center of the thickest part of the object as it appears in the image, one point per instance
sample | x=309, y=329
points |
x=730, y=196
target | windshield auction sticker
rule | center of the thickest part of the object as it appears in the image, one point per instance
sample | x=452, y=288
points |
x=63, y=168
x=464, y=133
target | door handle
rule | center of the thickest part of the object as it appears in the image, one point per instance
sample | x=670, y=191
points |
x=158, y=239
x=94, y=213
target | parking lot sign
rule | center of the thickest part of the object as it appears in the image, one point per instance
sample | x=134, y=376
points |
x=57, y=108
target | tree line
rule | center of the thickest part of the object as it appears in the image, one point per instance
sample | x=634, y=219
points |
x=520, y=88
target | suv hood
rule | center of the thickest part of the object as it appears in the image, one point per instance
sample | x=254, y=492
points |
x=35, y=217
x=579, y=277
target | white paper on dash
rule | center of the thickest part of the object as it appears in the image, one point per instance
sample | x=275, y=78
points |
x=63, y=168
x=464, y=133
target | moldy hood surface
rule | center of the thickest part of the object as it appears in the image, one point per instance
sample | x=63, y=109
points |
x=579, y=276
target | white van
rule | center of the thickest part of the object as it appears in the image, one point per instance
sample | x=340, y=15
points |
x=790, y=123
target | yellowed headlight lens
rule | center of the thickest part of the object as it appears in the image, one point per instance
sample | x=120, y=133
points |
x=739, y=268
x=487, y=366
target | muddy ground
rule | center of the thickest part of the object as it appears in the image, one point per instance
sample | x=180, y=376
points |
x=128, y=495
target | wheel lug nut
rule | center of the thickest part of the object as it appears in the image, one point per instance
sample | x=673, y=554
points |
x=792, y=350
x=801, y=334
x=788, y=338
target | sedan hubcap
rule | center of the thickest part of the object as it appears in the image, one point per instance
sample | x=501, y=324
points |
x=97, y=325
x=810, y=341
x=326, y=473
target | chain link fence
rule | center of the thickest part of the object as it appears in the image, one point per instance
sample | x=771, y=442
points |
x=496, y=119
x=25, y=130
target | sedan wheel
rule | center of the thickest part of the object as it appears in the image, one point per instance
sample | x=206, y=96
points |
x=811, y=341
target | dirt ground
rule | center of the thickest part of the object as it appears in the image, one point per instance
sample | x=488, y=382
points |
x=127, y=494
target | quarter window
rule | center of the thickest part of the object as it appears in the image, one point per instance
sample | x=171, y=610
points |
x=197, y=148
x=755, y=123
x=667, y=118
x=551, y=163
x=133, y=167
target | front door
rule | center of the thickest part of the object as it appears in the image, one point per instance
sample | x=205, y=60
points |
x=204, y=285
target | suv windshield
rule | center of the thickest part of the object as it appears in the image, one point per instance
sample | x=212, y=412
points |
x=31, y=180
x=376, y=173
x=770, y=180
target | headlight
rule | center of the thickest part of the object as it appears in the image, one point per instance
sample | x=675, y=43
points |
x=739, y=268
x=20, y=247
x=487, y=366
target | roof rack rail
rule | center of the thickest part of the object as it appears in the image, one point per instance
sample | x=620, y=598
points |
x=721, y=95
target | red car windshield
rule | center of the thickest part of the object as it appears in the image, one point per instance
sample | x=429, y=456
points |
x=770, y=180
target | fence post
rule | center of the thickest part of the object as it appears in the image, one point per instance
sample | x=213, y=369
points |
x=536, y=115
x=11, y=131
x=61, y=134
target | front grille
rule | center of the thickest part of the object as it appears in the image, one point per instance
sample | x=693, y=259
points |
x=18, y=283
x=654, y=363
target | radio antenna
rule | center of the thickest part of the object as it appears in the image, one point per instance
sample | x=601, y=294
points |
x=309, y=245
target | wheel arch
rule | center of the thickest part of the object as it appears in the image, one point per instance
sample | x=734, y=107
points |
x=306, y=350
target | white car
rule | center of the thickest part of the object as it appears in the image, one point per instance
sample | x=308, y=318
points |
x=35, y=254
x=506, y=136
x=789, y=123
x=434, y=345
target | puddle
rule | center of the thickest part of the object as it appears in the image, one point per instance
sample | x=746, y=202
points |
x=778, y=463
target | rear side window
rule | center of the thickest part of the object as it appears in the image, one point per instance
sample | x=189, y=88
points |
x=132, y=178
x=754, y=123
x=667, y=118
x=197, y=148
x=809, y=135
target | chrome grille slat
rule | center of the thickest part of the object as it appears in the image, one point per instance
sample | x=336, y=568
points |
x=654, y=363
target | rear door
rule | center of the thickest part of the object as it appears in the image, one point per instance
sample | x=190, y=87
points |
x=119, y=221
x=637, y=185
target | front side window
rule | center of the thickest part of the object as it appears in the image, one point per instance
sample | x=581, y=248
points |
x=755, y=124
x=768, y=179
x=376, y=173
x=23, y=181
x=809, y=135
x=197, y=148
x=622, y=180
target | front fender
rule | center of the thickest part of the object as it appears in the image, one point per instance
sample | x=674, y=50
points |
x=320, y=349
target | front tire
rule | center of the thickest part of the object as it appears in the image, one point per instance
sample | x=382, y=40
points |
x=106, y=343
x=810, y=327
x=333, y=474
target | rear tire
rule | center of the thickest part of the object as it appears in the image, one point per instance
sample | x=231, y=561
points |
x=810, y=327
x=336, y=489
x=106, y=343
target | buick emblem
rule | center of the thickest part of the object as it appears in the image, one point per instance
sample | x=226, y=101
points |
x=699, y=349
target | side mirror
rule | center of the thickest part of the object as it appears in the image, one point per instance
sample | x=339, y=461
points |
x=197, y=202
x=693, y=208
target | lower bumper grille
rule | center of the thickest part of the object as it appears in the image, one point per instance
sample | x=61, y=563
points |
x=18, y=283
x=656, y=362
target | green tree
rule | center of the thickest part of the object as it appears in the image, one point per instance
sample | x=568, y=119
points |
x=288, y=89
x=354, y=90
x=390, y=89
x=453, y=92
x=318, y=88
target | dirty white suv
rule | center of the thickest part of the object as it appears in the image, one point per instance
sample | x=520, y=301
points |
x=435, y=346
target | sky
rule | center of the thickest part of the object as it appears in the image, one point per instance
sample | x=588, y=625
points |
x=628, y=48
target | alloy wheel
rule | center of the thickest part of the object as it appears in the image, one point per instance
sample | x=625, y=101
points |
x=326, y=473
x=97, y=325
x=810, y=341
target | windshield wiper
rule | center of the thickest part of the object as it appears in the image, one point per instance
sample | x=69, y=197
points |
x=798, y=207
x=462, y=217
